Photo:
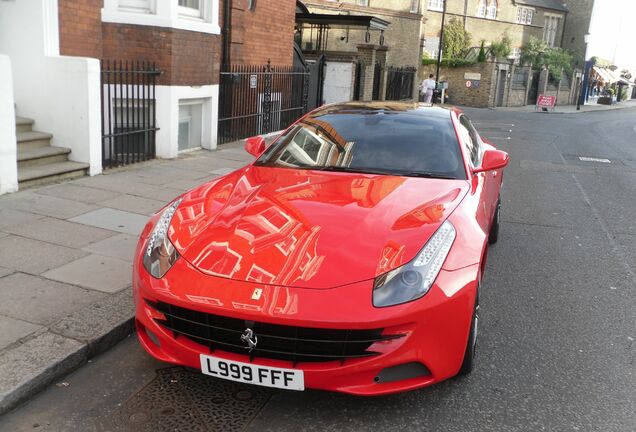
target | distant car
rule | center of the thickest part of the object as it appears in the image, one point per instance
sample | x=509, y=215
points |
x=347, y=257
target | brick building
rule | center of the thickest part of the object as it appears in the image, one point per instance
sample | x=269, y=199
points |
x=489, y=20
x=577, y=26
x=56, y=69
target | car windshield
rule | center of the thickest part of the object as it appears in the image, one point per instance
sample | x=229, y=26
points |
x=410, y=142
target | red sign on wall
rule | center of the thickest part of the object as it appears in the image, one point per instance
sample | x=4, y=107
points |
x=544, y=101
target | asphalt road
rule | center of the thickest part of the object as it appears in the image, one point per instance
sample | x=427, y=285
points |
x=558, y=318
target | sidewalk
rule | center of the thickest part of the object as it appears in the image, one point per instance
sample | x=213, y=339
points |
x=571, y=109
x=65, y=263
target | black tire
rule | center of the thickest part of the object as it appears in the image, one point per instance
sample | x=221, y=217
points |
x=494, y=229
x=468, y=363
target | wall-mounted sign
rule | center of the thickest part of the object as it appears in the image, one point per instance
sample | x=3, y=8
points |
x=253, y=81
x=473, y=83
x=472, y=76
x=469, y=84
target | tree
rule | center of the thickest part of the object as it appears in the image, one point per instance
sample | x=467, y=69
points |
x=533, y=51
x=481, y=57
x=557, y=60
x=456, y=39
x=503, y=48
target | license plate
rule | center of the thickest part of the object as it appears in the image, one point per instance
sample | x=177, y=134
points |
x=289, y=379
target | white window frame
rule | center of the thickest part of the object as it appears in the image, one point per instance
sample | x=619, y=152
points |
x=481, y=9
x=363, y=2
x=191, y=102
x=192, y=13
x=551, y=28
x=415, y=6
x=164, y=13
x=436, y=5
x=491, y=10
x=525, y=15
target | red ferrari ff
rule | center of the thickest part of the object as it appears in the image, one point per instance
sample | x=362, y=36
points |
x=348, y=256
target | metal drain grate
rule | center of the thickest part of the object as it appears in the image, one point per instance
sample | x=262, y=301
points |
x=184, y=401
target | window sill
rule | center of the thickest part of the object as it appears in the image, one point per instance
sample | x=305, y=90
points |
x=152, y=20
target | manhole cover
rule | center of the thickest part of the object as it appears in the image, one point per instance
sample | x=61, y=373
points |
x=180, y=400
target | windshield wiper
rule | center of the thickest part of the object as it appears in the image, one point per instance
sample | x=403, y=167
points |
x=426, y=174
x=334, y=168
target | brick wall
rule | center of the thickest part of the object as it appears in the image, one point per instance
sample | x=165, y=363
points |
x=482, y=96
x=80, y=27
x=265, y=33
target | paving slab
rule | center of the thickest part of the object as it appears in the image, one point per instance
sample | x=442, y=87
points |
x=35, y=364
x=34, y=256
x=32, y=202
x=121, y=246
x=77, y=193
x=13, y=330
x=95, y=272
x=126, y=186
x=222, y=171
x=101, y=324
x=186, y=185
x=10, y=217
x=114, y=220
x=5, y=271
x=134, y=204
x=41, y=301
x=60, y=232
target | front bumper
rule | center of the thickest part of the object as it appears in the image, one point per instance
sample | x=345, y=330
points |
x=435, y=327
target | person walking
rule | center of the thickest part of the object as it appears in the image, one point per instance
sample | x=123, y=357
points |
x=427, y=87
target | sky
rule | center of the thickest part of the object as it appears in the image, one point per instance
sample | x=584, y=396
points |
x=613, y=32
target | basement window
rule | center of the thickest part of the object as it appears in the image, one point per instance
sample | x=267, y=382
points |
x=190, y=122
x=137, y=6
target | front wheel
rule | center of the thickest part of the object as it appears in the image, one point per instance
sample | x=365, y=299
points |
x=469, y=357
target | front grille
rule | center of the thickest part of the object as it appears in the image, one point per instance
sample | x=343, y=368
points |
x=295, y=344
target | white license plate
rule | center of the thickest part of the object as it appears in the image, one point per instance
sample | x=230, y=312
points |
x=289, y=379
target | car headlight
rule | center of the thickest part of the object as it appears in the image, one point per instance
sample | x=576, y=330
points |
x=160, y=254
x=412, y=280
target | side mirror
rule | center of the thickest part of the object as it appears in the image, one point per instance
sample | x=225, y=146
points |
x=493, y=160
x=255, y=145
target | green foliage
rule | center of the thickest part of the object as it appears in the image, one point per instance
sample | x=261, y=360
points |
x=600, y=62
x=481, y=57
x=624, y=94
x=425, y=55
x=532, y=52
x=503, y=48
x=449, y=62
x=456, y=39
x=611, y=92
x=557, y=60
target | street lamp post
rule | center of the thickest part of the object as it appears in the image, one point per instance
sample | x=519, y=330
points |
x=441, y=43
x=585, y=82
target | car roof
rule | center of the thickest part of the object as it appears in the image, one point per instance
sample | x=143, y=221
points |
x=360, y=107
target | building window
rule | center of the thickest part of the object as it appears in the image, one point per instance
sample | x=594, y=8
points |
x=190, y=119
x=481, y=11
x=251, y=4
x=491, y=12
x=550, y=29
x=436, y=5
x=524, y=15
x=194, y=15
x=363, y=2
x=138, y=6
x=515, y=54
x=191, y=8
x=415, y=6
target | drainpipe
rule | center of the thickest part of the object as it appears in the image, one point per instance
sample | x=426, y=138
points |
x=227, y=32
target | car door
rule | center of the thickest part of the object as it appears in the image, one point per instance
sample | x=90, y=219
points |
x=487, y=183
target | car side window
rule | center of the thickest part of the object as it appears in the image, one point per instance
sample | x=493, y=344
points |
x=471, y=140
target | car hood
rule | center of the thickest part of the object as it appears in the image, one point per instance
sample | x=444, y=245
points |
x=309, y=229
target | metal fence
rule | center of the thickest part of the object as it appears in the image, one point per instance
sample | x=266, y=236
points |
x=377, y=81
x=256, y=100
x=520, y=78
x=128, y=111
x=400, y=83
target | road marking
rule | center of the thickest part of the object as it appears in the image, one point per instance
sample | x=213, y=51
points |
x=500, y=138
x=593, y=159
x=500, y=124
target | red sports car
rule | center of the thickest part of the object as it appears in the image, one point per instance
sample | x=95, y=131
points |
x=348, y=256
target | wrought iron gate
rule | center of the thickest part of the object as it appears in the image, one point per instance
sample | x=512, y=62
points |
x=377, y=78
x=400, y=82
x=256, y=100
x=128, y=112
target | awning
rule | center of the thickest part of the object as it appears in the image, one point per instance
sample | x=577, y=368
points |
x=342, y=21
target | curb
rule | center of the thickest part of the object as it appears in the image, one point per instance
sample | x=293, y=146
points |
x=34, y=364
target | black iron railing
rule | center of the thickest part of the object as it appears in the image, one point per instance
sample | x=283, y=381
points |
x=128, y=111
x=400, y=83
x=256, y=100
